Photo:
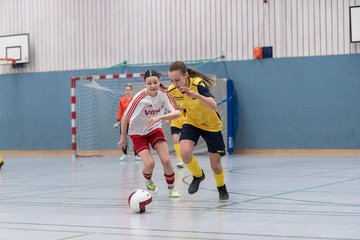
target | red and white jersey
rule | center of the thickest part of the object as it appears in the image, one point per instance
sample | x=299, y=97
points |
x=143, y=107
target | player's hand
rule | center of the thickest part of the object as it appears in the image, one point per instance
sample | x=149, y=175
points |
x=117, y=124
x=180, y=107
x=188, y=92
x=184, y=89
x=167, y=122
x=122, y=143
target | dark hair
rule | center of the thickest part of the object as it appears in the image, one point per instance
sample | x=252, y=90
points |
x=180, y=66
x=150, y=73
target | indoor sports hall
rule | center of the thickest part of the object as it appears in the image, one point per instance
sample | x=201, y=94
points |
x=287, y=91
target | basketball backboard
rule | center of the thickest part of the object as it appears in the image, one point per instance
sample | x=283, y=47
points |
x=15, y=47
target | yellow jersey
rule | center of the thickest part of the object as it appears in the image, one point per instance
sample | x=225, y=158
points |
x=195, y=112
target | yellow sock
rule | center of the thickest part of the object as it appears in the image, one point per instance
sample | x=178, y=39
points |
x=220, y=179
x=177, y=151
x=194, y=167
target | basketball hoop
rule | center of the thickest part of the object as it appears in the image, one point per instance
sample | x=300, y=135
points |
x=11, y=61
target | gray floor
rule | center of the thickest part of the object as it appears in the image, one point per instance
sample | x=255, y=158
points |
x=52, y=197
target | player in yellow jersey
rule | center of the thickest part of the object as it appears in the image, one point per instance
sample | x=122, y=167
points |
x=192, y=89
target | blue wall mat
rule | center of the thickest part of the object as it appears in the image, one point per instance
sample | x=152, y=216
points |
x=289, y=103
x=297, y=103
x=35, y=111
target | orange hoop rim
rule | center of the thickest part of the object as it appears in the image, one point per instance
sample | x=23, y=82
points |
x=13, y=61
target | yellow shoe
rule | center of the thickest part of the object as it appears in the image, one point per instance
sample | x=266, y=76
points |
x=151, y=187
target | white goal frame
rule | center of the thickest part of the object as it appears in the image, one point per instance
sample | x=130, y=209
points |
x=73, y=100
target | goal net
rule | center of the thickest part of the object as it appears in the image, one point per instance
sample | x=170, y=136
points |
x=94, y=104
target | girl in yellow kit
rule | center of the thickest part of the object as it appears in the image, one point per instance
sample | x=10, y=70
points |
x=191, y=89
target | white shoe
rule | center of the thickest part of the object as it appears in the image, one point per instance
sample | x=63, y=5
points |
x=173, y=193
x=137, y=158
x=180, y=164
x=123, y=157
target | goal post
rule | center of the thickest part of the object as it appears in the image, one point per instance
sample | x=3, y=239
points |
x=76, y=119
x=94, y=102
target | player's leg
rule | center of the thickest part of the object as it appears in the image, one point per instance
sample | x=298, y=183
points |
x=162, y=150
x=188, y=138
x=216, y=149
x=148, y=169
x=159, y=144
x=175, y=134
x=175, y=129
x=141, y=144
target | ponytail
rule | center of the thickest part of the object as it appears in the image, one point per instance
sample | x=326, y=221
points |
x=180, y=66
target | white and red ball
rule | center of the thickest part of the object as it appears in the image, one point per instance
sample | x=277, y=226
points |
x=140, y=200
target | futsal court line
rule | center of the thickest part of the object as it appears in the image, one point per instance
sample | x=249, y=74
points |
x=67, y=188
x=259, y=197
x=274, y=196
x=201, y=209
x=174, y=233
x=266, y=211
x=79, y=233
x=304, y=189
x=332, y=171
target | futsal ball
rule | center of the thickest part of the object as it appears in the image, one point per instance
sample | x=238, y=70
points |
x=140, y=200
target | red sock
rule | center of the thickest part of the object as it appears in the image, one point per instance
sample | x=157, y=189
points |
x=170, y=179
x=147, y=175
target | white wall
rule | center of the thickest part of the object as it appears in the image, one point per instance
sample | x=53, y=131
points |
x=83, y=34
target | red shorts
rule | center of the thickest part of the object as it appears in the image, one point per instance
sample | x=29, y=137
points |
x=141, y=142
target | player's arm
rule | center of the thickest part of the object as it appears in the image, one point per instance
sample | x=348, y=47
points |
x=203, y=95
x=169, y=116
x=124, y=122
x=207, y=101
x=173, y=101
x=119, y=115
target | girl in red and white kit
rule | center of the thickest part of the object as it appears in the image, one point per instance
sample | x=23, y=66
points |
x=144, y=114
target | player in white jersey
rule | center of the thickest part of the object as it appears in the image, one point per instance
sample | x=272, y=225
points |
x=144, y=114
x=144, y=107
